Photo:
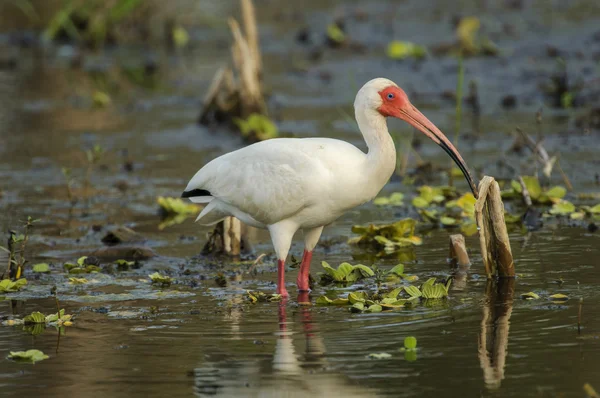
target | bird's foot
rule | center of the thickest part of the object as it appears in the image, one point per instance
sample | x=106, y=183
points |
x=281, y=290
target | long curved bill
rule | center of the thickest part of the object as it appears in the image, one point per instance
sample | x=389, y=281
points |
x=418, y=120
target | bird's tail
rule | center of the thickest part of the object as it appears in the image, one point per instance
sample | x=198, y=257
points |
x=211, y=214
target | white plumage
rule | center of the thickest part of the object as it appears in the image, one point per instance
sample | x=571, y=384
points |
x=288, y=184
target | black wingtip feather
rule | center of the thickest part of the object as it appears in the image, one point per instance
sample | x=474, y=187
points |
x=195, y=193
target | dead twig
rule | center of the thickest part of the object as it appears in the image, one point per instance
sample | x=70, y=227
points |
x=525, y=193
x=539, y=150
x=255, y=263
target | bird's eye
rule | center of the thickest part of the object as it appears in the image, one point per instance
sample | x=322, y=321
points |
x=390, y=96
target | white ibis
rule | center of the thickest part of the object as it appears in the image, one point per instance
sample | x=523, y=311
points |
x=291, y=184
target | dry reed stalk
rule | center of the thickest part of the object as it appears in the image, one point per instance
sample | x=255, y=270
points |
x=493, y=236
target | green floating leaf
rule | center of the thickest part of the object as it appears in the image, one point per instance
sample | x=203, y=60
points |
x=410, y=343
x=530, y=296
x=556, y=192
x=393, y=294
x=395, y=199
x=258, y=125
x=562, y=208
x=180, y=36
x=357, y=297
x=7, y=286
x=160, y=279
x=324, y=300
x=533, y=186
x=448, y=221
x=78, y=281
x=379, y=355
x=578, y=215
x=101, y=99
x=41, y=268
x=595, y=209
x=375, y=308
x=345, y=272
x=357, y=307
x=397, y=269
x=35, y=317
x=257, y=296
x=403, y=49
x=420, y=202
x=412, y=291
x=559, y=296
x=31, y=356
x=335, y=33
x=176, y=206
x=340, y=301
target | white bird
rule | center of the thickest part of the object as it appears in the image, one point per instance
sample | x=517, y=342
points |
x=291, y=184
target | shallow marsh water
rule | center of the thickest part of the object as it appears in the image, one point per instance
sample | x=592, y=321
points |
x=194, y=338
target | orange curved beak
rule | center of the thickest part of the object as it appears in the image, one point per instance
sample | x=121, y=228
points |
x=413, y=116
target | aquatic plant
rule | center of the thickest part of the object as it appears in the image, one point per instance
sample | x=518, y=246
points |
x=84, y=265
x=17, y=244
x=345, y=272
x=29, y=356
x=395, y=199
x=537, y=194
x=90, y=21
x=174, y=211
x=376, y=302
x=398, y=49
x=41, y=268
x=389, y=237
x=160, y=279
x=8, y=286
x=257, y=296
x=257, y=127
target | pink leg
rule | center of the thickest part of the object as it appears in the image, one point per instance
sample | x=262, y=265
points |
x=302, y=280
x=281, y=278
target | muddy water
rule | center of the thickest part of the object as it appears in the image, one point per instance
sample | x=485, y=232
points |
x=195, y=338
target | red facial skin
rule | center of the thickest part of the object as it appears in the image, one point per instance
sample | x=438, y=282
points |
x=391, y=106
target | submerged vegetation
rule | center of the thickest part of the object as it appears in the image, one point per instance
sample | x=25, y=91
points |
x=394, y=299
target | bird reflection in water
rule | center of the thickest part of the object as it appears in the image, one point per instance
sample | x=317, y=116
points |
x=286, y=373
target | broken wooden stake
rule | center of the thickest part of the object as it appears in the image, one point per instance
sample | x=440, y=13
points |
x=236, y=91
x=458, y=250
x=493, y=236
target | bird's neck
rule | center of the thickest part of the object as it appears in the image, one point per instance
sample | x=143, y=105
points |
x=381, y=158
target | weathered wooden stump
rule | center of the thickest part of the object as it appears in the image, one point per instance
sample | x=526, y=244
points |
x=493, y=236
